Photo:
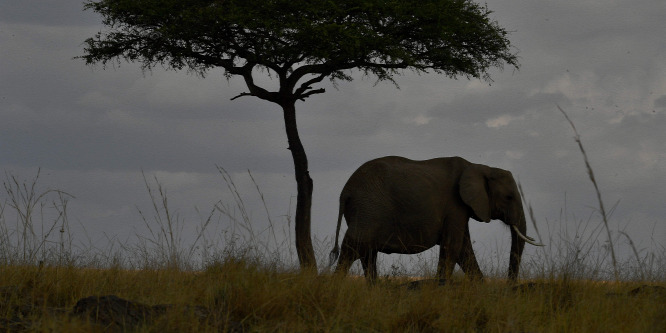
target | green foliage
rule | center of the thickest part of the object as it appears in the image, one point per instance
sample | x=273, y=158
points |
x=295, y=38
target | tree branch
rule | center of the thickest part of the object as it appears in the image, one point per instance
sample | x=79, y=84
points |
x=241, y=95
x=255, y=90
x=302, y=97
x=302, y=92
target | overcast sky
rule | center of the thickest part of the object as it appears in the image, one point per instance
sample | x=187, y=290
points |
x=92, y=130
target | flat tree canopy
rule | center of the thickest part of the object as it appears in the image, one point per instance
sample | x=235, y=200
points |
x=300, y=43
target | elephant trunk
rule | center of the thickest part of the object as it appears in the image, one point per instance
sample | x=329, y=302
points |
x=518, y=229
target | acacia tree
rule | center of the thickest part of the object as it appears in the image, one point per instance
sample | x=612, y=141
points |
x=300, y=43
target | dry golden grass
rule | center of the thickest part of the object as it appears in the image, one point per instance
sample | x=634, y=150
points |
x=236, y=295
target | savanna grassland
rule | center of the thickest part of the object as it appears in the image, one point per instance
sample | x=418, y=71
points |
x=242, y=296
x=47, y=285
x=576, y=284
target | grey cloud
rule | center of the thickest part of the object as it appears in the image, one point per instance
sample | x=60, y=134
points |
x=660, y=102
x=70, y=143
x=479, y=107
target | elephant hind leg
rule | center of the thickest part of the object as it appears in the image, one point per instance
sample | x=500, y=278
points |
x=369, y=263
x=348, y=254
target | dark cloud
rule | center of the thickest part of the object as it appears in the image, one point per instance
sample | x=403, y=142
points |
x=47, y=12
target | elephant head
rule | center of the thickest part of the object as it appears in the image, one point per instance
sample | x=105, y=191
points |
x=492, y=193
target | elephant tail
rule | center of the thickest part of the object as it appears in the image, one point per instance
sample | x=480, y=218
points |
x=333, y=256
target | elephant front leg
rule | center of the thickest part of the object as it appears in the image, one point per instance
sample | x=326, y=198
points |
x=446, y=263
x=450, y=247
x=467, y=259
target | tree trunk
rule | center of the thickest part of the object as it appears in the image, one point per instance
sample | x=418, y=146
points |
x=304, y=248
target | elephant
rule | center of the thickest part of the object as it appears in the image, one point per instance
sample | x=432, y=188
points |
x=396, y=205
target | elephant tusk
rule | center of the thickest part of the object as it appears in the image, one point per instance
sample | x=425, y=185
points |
x=525, y=238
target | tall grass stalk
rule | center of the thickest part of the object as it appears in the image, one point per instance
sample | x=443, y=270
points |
x=257, y=242
x=602, y=210
x=166, y=231
x=31, y=238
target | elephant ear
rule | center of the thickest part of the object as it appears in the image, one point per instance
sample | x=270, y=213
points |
x=473, y=191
